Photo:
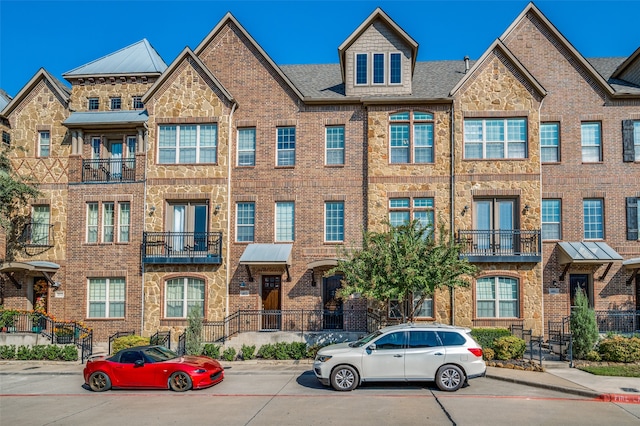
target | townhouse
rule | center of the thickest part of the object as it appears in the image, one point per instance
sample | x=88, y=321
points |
x=226, y=182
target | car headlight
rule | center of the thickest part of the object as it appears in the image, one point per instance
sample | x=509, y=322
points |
x=201, y=370
x=323, y=358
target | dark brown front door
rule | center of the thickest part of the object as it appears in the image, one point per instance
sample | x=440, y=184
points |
x=579, y=282
x=332, y=314
x=271, y=302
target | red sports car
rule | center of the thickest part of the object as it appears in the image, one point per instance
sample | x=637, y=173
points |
x=152, y=367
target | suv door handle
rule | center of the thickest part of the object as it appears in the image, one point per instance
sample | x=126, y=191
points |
x=397, y=356
x=438, y=354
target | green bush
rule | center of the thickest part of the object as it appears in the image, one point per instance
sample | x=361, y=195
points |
x=488, y=354
x=267, y=351
x=211, y=350
x=247, y=352
x=193, y=338
x=593, y=356
x=128, y=342
x=23, y=352
x=509, y=347
x=312, y=350
x=620, y=349
x=297, y=350
x=70, y=353
x=38, y=352
x=583, y=326
x=53, y=352
x=487, y=336
x=7, y=351
x=229, y=354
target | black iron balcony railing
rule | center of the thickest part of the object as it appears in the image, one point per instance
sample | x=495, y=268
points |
x=514, y=245
x=109, y=170
x=37, y=235
x=182, y=247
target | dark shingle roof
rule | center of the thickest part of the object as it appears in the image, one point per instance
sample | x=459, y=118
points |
x=606, y=67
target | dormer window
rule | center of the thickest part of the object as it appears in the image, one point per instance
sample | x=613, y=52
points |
x=395, y=68
x=378, y=68
x=361, y=68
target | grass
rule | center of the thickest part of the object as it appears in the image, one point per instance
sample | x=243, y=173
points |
x=632, y=370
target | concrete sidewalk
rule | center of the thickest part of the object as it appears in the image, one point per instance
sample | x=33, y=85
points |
x=557, y=376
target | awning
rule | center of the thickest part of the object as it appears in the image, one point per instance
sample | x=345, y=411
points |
x=44, y=267
x=634, y=265
x=322, y=262
x=265, y=255
x=586, y=253
x=96, y=118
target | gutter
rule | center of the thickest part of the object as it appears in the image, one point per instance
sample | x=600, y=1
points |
x=229, y=159
x=452, y=190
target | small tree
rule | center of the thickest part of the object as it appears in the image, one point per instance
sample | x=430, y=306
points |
x=193, y=340
x=403, y=262
x=583, y=326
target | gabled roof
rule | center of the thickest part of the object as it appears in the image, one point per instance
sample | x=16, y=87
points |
x=375, y=15
x=4, y=99
x=498, y=45
x=138, y=58
x=186, y=55
x=230, y=18
x=62, y=91
x=531, y=8
x=105, y=118
x=629, y=70
x=607, y=68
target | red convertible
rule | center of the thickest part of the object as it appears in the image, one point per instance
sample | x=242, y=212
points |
x=152, y=367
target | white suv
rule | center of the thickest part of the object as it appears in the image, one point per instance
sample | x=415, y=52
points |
x=408, y=352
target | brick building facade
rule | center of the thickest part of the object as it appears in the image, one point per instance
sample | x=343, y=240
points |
x=228, y=182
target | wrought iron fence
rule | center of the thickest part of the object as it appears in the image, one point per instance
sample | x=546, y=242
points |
x=162, y=338
x=513, y=242
x=182, y=247
x=618, y=321
x=109, y=170
x=117, y=335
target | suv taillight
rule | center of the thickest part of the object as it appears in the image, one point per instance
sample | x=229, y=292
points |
x=476, y=351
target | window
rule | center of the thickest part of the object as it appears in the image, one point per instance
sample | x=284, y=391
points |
x=124, y=222
x=188, y=144
x=108, y=223
x=591, y=142
x=188, y=223
x=334, y=221
x=95, y=148
x=247, y=147
x=633, y=218
x=245, y=222
x=423, y=339
x=378, y=68
x=497, y=297
x=334, y=139
x=391, y=341
x=94, y=104
x=182, y=295
x=137, y=102
x=496, y=218
x=44, y=143
x=40, y=230
x=550, y=142
x=395, y=68
x=92, y=222
x=593, y=219
x=403, y=210
x=6, y=138
x=286, y=149
x=495, y=138
x=411, y=137
x=423, y=311
x=285, y=221
x=630, y=140
x=361, y=68
x=106, y=297
x=551, y=220
x=116, y=104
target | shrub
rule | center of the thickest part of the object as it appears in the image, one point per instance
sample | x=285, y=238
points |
x=620, y=349
x=488, y=354
x=128, y=342
x=70, y=353
x=282, y=350
x=247, y=352
x=312, y=350
x=487, y=336
x=193, y=338
x=38, y=352
x=229, y=354
x=7, y=352
x=211, y=350
x=297, y=350
x=23, y=352
x=267, y=351
x=593, y=356
x=509, y=347
x=53, y=352
x=583, y=326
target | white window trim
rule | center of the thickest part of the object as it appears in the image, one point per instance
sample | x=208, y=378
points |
x=40, y=133
x=355, y=69
x=238, y=150
x=327, y=149
x=185, y=299
x=326, y=203
x=238, y=224
x=497, y=300
x=384, y=68
x=107, y=300
x=197, y=146
x=295, y=147
x=597, y=145
x=292, y=225
x=389, y=69
x=89, y=226
x=505, y=142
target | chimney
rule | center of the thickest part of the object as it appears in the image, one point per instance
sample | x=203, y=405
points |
x=466, y=64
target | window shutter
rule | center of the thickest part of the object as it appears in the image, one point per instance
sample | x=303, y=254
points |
x=632, y=218
x=628, y=154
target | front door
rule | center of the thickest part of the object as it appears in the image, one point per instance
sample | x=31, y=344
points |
x=579, y=282
x=188, y=225
x=332, y=318
x=496, y=217
x=271, y=302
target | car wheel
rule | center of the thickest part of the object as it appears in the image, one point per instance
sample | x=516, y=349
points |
x=180, y=382
x=99, y=382
x=449, y=378
x=344, y=378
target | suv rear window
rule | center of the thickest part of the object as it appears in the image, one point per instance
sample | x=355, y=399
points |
x=450, y=338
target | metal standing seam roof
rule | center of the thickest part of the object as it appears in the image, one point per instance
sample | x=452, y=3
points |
x=586, y=252
x=633, y=263
x=106, y=117
x=138, y=58
x=36, y=265
x=266, y=254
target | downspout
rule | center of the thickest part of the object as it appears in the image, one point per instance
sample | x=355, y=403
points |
x=453, y=205
x=541, y=245
x=144, y=215
x=229, y=159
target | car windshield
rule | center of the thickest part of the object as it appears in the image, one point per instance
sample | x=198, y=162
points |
x=159, y=353
x=366, y=339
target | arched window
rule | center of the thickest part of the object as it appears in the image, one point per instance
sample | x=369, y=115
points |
x=183, y=294
x=497, y=297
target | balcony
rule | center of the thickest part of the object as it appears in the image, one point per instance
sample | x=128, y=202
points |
x=37, y=238
x=109, y=170
x=500, y=246
x=182, y=247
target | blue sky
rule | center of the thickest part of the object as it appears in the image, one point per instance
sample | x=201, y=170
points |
x=62, y=35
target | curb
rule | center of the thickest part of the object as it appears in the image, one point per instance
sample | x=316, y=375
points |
x=579, y=392
x=621, y=398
